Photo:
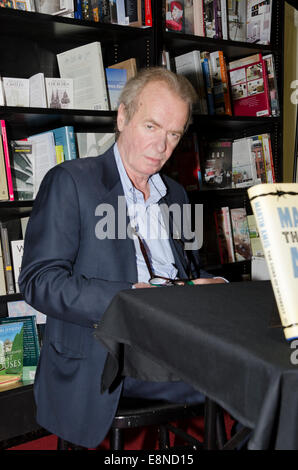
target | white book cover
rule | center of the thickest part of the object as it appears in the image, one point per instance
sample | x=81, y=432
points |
x=258, y=26
x=60, y=93
x=92, y=144
x=20, y=308
x=243, y=165
x=236, y=20
x=44, y=156
x=16, y=91
x=85, y=65
x=53, y=7
x=37, y=91
x=121, y=17
x=17, y=250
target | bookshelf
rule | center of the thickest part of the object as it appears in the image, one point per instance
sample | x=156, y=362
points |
x=29, y=43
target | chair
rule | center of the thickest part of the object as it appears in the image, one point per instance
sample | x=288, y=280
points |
x=133, y=413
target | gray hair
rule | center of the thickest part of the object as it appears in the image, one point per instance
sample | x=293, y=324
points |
x=178, y=84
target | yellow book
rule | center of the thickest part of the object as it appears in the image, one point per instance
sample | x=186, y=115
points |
x=275, y=207
x=59, y=153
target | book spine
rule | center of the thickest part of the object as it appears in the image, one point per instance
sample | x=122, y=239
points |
x=208, y=85
x=266, y=87
x=199, y=25
x=3, y=180
x=78, y=13
x=7, y=160
x=225, y=82
x=7, y=260
x=2, y=274
x=148, y=13
x=224, y=19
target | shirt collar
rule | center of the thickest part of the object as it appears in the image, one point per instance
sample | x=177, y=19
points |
x=157, y=186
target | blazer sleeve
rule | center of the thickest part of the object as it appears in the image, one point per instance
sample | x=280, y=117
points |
x=47, y=279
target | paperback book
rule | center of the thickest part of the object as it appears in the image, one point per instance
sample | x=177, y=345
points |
x=22, y=163
x=11, y=352
x=60, y=93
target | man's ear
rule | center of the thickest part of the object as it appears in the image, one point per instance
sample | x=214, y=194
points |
x=121, y=117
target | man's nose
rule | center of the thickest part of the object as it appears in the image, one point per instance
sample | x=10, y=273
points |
x=161, y=143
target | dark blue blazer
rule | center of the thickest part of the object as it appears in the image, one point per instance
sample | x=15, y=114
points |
x=71, y=276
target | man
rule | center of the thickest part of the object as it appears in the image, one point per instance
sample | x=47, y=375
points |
x=71, y=272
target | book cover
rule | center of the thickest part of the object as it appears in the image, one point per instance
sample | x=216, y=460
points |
x=175, y=16
x=20, y=308
x=121, y=13
x=11, y=352
x=237, y=20
x=209, y=19
x=133, y=11
x=244, y=164
x=44, y=156
x=249, y=87
x=189, y=65
x=3, y=180
x=130, y=65
x=258, y=155
x=275, y=210
x=208, y=80
x=269, y=165
x=255, y=241
x=31, y=348
x=60, y=93
x=216, y=164
x=22, y=164
x=17, y=250
x=92, y=144
x=7, y=160
x=84, y=65
x=65, y=136
x=53, y=7
x=116, y=79
x=37, y=91
x=25, y=5
x=240, y=234
x=16, y=91
x=224, y=235
x=258, y=27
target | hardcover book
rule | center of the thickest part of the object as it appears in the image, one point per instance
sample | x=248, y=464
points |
x=249, y=88
x=65, y=136
x=16, y=91
x=240, y=234
x=22, y=164
x=11, y=352
x=258, y=28
x=116, y=79
x=175, y=16
x=244, y=164
x=85, y=66
x=60, y=93
x=37, y=91
x=221, y=89
x=130, y=65
x=275, y=210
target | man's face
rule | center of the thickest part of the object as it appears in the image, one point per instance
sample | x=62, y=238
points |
x=147, y=141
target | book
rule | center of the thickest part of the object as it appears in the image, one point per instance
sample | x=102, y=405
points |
x=7, y=263
x=20, y=308
x=17, y=250
x=209, y=18
x=249, y=87
x=116, y=79
x=237, y=20
x=44, y=156
x=60, y=93
x=22, y=162
x=224, y=235
x=16, y=91
x=7, y=4
x=7, y=159
x=269, y=165
x=272, y=84
x=189, y=26
x=255, y=241
x=31, y=348
x=198, y=13
x=130, y=65
x=11, y=352
x=65, y=136
x=258, y=21
x=221, y=89
x=224, y=18
x=189, y=65
x=258, y=154
x=133, y=12
x=147, y=13
x=216, y=164
x=208, y=80
x=2, y=96
x=25, y=5
x=3, y=180
x=275, y=210
x=2, y=274
x=240, y=234
x=37, y=91
x=54, y=7
x=92, y=144
x=244, y=164
x=121, y=12
x=85, y=66
x=175, y=16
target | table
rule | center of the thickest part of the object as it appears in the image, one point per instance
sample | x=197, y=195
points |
x=220, y=339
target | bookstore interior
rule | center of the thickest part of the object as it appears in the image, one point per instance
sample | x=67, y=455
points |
x=63, y=66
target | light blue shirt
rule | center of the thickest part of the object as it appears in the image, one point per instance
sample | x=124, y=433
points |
x=146, y=218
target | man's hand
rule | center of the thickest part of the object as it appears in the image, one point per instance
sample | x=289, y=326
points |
x=209, y=280
x=141, y=285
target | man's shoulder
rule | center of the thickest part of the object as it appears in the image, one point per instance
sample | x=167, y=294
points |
x=173, y=186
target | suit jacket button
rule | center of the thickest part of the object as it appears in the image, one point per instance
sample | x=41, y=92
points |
x=95, y=325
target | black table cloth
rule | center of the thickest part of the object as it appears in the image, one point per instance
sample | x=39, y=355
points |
x=220, y=339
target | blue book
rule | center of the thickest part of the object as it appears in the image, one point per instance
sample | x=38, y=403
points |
x=116, y=79
x=208, y=86
x=65, y=136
